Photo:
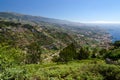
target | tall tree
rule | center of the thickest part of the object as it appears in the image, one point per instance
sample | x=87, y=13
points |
x=84, y=53
x=68, y=53
x=116, y=44
x=34, y=53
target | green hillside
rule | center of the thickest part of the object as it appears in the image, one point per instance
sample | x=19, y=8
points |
x=38, y=48
x=58, y=31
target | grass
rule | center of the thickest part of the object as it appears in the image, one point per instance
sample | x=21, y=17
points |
x=75, y=70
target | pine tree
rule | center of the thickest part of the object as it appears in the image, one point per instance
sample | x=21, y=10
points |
x=34, y=53
x=68, y=53
x=84, y=53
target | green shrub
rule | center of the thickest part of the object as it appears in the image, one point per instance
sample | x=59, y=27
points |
x=74, y=70
x=10, y=56
x=113, y=54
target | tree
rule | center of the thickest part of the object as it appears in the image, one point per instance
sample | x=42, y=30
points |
x=68, y=53
x=95, y=52
x=116, y=44
x=102, y=53
x=84, y=53
x=114, y=54
x=34, y=53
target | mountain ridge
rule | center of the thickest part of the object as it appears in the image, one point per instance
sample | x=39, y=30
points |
x=37, y=19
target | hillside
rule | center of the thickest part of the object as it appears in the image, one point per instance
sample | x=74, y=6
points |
x=77, y=32
x=21, y=31
x=33, y=49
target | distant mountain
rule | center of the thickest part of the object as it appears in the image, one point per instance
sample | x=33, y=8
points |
x=36, y=19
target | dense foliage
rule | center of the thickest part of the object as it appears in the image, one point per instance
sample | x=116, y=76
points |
x=117, y=44
x=34, y=53
x=84, y=53
x=68, y=53
x=10, y=56
x=75, y=70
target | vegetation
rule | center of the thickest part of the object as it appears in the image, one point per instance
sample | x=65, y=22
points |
x=79, y=70
x=47, y=51
x=68, y=53
x=10, y=57
x=117, y=44
x=56, y=31
x=14, y=66
x=84, y=53
x=34, y=53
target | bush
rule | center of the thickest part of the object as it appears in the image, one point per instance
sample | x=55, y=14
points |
x=10, y=56
x=74, y=70
x=109, y=72
x=113, y=54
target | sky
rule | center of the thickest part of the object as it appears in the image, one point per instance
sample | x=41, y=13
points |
x=91, y=11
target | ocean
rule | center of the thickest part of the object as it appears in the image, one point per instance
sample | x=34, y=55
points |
x=113, y=30
x=115, y=33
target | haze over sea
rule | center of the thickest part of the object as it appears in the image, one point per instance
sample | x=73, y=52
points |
x=115, y=33
x=113, y=30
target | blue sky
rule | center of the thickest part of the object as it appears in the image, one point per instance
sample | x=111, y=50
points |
x=73, y=10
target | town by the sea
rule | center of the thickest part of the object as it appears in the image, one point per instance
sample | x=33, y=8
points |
x=113, y=30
